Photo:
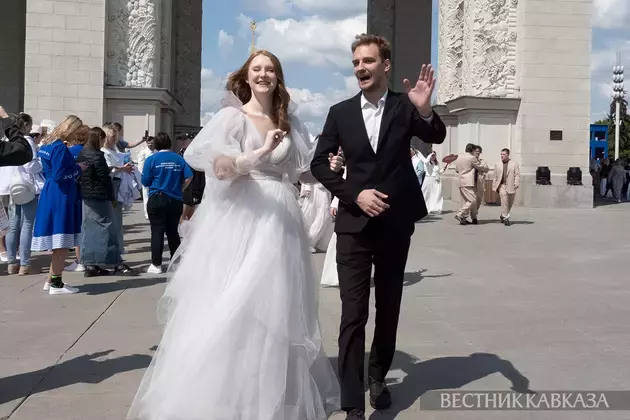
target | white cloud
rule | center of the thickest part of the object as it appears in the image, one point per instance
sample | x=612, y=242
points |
x=225, y=42
x=611, y=14
x=313, y=106
x=312, y=40
x=212, y=93
x=337, y=9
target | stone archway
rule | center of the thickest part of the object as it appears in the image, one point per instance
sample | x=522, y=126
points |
x=137, y=62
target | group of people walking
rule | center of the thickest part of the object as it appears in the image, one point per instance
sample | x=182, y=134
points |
x=472, y=171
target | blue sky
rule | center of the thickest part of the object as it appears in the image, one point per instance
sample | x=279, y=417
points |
x=312, y=39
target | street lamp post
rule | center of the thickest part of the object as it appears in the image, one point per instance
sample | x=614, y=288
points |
x=618, y=94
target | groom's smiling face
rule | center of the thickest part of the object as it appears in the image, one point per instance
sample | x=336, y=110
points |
x=369, y=69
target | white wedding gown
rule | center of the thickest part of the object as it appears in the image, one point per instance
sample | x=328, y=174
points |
x=242, y=339
x=432, y=187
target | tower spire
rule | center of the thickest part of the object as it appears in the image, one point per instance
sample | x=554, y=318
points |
x=252, y=26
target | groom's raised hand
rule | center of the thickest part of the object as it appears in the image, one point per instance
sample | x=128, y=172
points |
x=420, y=93
x=371, y=202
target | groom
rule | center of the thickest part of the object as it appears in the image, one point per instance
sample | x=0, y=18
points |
x=380, y=201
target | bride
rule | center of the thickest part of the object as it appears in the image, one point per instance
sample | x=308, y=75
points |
x=241, y=338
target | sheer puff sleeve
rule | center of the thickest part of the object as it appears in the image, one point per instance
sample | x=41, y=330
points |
x=302, y=152
x=217, y=150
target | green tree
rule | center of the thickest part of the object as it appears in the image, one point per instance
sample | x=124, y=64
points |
x=624, y=130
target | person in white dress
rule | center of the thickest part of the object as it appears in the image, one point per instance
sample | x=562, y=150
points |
x=242, y=337
x=330, y=278
x=432, y=185
x=316, y=211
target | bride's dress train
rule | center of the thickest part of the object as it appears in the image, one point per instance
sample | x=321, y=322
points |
x=241, y=338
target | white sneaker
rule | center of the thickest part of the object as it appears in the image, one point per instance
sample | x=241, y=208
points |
x=154, y=270
x=46, y=286
x=71, y=267
x=3, y=257
x=76, y=267
x=65, y=290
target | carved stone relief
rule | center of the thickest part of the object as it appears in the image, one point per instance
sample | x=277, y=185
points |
x=450, y=49
x=477, y=48
x=133, y=40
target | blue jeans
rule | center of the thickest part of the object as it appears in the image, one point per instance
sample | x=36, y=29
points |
x=21, y=219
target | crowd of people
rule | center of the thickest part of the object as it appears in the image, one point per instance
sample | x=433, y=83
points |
x=242, y=336
x=611, y=179
x=71, y=189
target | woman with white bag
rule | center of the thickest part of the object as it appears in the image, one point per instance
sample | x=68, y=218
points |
x=26, y=184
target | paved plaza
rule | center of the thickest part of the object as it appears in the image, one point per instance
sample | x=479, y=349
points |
x=541, y=305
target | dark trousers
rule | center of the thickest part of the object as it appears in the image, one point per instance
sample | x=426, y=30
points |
x=387, y=249
x=164, y=213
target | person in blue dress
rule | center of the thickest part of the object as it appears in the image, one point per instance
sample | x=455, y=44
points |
x=58, y=218
x=166, y=174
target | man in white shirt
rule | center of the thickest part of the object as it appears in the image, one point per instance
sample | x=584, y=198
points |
x=380, y=201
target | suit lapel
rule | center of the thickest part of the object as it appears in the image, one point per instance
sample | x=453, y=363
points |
x=391, y=104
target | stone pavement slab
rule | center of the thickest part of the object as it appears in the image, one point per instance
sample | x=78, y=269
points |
x=540, y=304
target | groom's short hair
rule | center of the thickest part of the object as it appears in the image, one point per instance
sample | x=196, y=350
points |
x=384, y=47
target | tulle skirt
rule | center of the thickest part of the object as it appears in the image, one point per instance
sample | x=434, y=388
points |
x=241, y=339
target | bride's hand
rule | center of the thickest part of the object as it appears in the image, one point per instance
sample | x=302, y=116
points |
x=274, y=137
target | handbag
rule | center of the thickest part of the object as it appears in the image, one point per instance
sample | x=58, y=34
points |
x=22, y=190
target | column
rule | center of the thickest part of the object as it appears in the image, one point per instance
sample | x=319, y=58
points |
x=188, y=27
x=406, y=24
x=12, y=50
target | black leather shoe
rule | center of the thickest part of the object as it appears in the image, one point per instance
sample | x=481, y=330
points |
x=95, y=271
x=124, y=270
x=380, y=397
x=461, y=221
x=475, y=222
x=356, y=415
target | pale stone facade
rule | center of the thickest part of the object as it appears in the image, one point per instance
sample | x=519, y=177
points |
x=104, y=60
x=510, y=73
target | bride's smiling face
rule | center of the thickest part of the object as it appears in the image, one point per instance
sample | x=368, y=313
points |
x=261, y=76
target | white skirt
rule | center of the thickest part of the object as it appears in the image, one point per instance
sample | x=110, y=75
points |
x=242, y=338
x=330, y=278
x=432, y=192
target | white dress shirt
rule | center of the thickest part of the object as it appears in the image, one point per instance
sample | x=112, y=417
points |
x=372, y=116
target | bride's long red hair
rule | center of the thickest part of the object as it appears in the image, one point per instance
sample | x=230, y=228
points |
x=237, y=83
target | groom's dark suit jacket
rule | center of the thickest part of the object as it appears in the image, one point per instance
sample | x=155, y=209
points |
x=389, y=170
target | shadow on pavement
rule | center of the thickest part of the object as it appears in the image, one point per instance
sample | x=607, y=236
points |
x=115, y=286
x=442, y=373
x=82, y=369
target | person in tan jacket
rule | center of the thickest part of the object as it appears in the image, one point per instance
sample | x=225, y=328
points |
x=480, y=187
x=465, y=166
x=507, y=179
